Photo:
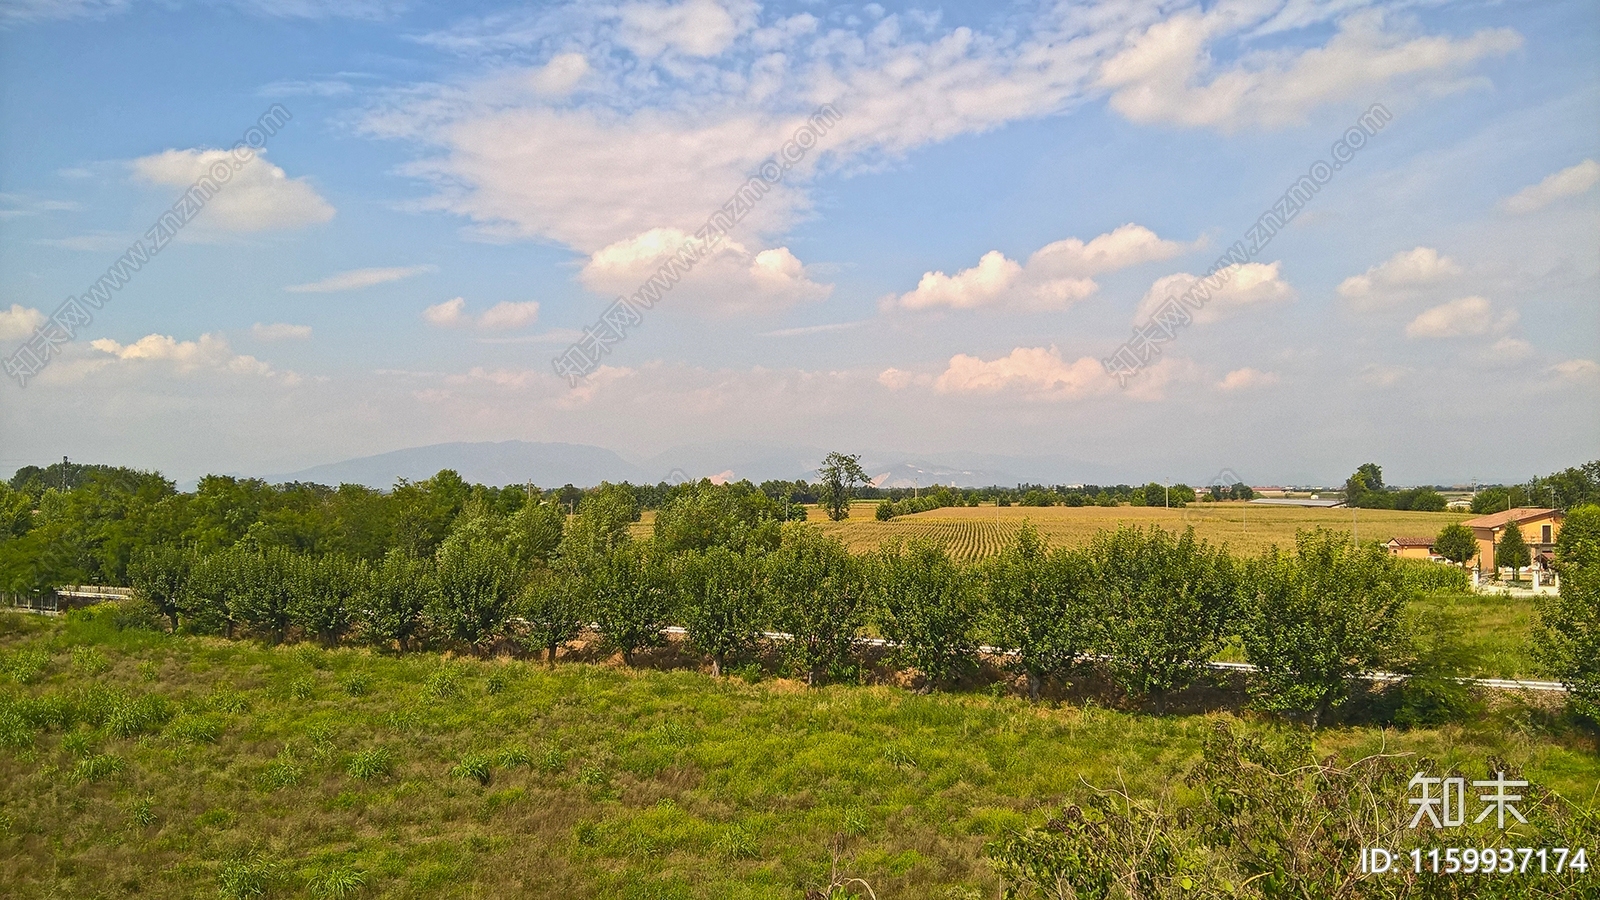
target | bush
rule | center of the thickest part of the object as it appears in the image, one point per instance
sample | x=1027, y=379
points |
x=325, y=593
x=1162, y=604
x=926, y=605
x=721, y=601
x=394, y=597
x=814, y=589
x=158, y=575
x=552, y=611
x=477, y=586
x=1035, y=607
x=1315, y=620
x=628, y=590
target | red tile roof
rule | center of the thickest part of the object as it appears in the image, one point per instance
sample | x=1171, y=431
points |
x=1519, y=515
x=1412, y=541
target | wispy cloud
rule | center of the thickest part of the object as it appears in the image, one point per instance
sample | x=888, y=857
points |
x=356, y=279
x=1568, y=182
x=814, y=329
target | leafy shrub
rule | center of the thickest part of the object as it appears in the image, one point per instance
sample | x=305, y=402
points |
x=375, y=762
x=1568, y=636
x=722, y=603
x=551, y=608
x=393, y=599
x=926, y=605
x=815, y=592
x=477, y=586
x=477, y=766
x=97, y=767
x=1035, y=607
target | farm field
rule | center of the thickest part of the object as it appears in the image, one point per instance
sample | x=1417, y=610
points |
x=222, y=767
x=975, y=532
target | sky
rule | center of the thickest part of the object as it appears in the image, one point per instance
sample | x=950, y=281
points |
x=441, y=199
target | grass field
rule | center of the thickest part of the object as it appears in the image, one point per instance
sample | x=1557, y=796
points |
x=975, y=532
x=188, y=765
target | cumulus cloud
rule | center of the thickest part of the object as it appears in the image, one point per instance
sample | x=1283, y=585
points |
x=258, y=196
x=504, y=316
x=1055, y=276
x=355, y=279
x=730, y=279
x=1410, y=269
x=280, y=331
x=1576, y=370
x=1248, y=287
x=1464, y=317
x=1245, y=379
x=1033, y=371
x=1568, y=182
x=210, y=353
x=1166, y=75
x=18, y=322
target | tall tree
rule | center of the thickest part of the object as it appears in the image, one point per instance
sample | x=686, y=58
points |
x=1456, y=543
x=1315, y=620
x=1569, y=624
x=1035, y=607
x=1512, y=550
x=815, y=591
x=839, y=475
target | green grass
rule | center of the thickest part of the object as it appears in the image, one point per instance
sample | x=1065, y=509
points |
x=602, y=782
x=1494, y=631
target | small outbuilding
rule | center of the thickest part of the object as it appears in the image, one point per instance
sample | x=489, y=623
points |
x=1412, y=547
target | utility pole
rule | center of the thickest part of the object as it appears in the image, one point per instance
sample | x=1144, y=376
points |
x=63, y=474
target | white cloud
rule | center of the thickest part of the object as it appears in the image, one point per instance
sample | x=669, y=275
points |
x=1509, y=350
x=1576, y=370
x=1054, y=277
x=280, y=331
x=730, y=279
x=18, y=322
x=1246, y=378
x=1382, y=376
x=1418, y=267
x=509, y=316
x=355, y=279
x=1165, y=74
x=1565, y=183
x=560, y=75
x=257, y=197
x=1033, y=371
x=504, y=316
x=1249, y=286
x=1464, y=317
x=209, y=353
x=693, y=27
x=684, y=101
x=445, y=314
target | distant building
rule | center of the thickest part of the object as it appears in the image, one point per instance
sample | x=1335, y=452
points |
x=1540, y=529
x=1298, y=501
x=1412, y=547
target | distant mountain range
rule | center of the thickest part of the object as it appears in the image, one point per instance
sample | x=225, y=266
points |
x=555, y=464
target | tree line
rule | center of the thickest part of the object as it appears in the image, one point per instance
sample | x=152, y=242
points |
x=1144, y=609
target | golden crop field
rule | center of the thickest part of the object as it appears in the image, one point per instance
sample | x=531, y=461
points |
x=976, y=532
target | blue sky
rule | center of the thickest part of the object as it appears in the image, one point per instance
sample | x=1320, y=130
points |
x=462, y=188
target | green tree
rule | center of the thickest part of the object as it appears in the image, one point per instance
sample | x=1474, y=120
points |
x=1034, y=606
x=326, y=595
x=814, y=589
x=158, y=575
x=1162, y=604
x=395, y=598
x=1568, y=635
x=263, y=588
x=1456, y=543
x=552, y=610
x=534, y=532
x=840, y=473
x=926, y=605
x=722, y=603
x=706, y=515
x=628, y=589
x=1491, y=500
x=478, y=582
x=1315, y=620
x=602, y=522
x=1512, y=551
